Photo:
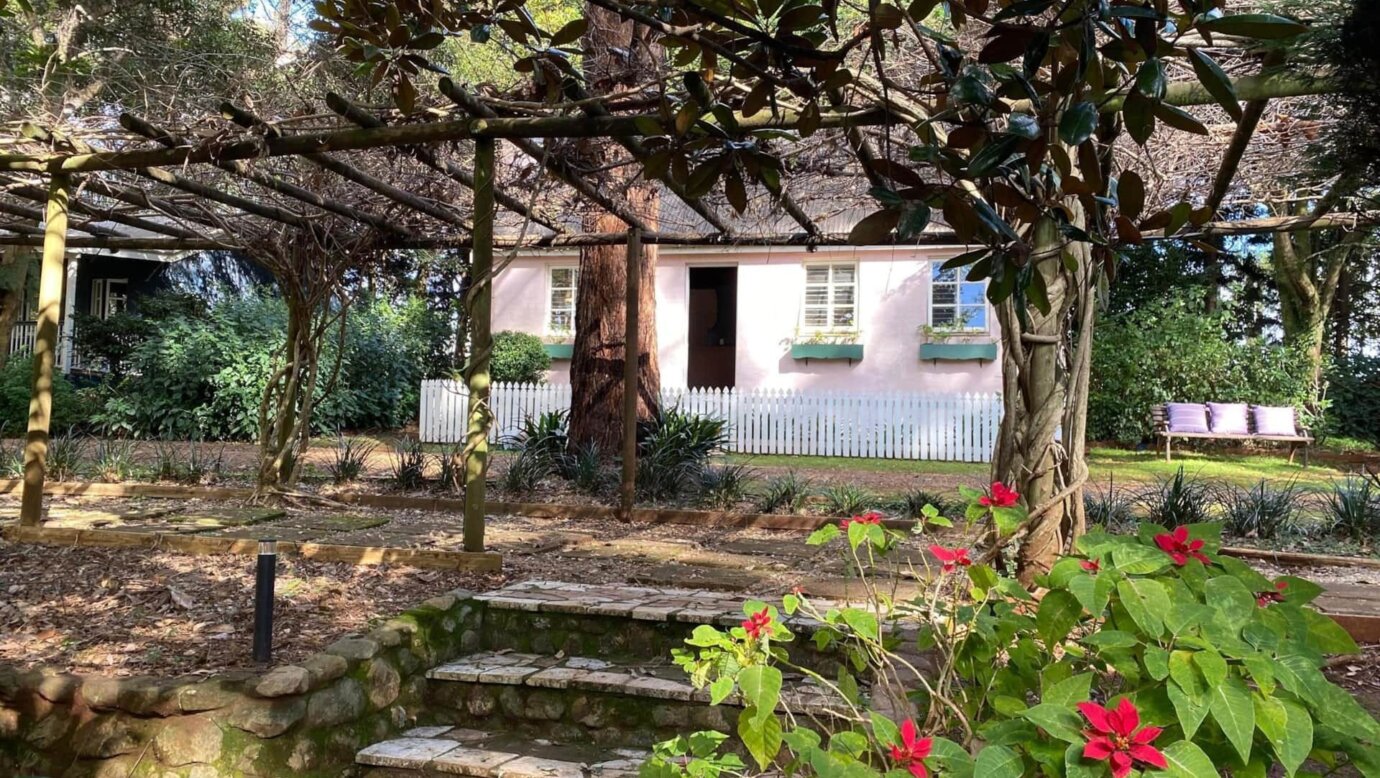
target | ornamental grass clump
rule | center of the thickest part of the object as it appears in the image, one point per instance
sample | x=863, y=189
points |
x=1145, y=654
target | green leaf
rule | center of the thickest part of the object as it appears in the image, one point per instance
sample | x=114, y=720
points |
x=1060, y=722
x=1069, y=691
x=915, y=217
x=1075, y=766
x=1150, y=80
x=1287, y=727
x=1139, y=560
x=862, y=622
x=1260, y=26
x=1327, y=636
x=1092, y=591
x=823, y=535
x=1191, y=712
x=1023, y=125
x=884, y=730
x=951, y=758
x=720, y=689
x=1212, y=665
x=998, y=762
x=1230, y=598
x=1077, y=123
x=1157, y=662
x=761, y=685
x=1215, y=80
x=1144, y=599
x=1130, y=194
x=570, y=33
x=1187, y=760
x=1139, y=114
x=1059, y=612
x=1112, y=638
x=1231, y=707
x=1186, y=674
x=761, y=735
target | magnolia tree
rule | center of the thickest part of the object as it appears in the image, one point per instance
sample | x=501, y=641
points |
x=1003, y=117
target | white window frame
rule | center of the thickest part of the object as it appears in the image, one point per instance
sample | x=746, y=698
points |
x=830, y=302
x=101, y=297
x=957, y=304
x=550, y=292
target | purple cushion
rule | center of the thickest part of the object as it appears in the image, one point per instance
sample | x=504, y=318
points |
x=1270, y=420
x=1229, y=418
x=1188, y=417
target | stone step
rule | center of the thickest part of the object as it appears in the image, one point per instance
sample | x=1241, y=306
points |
x=619, y=622
x=446, y=750
x=593, y=700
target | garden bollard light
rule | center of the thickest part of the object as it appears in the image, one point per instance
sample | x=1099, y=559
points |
x=263, y=600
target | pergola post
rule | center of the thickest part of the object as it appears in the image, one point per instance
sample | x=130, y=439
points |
x=480, y=303
x=631, y=358
x=45, y=348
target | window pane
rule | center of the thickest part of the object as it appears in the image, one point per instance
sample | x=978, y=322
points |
x=843, y=317
x=817, y=295
x=817, y=317
x=939, y=274
x=844, y=274
x=562, y=298
x=563, y=277
x=942, y=316
x=562, y=321
x=943, y=294
x=817, y=274
x=973, y=293
x=975, y=317
x=843, y=295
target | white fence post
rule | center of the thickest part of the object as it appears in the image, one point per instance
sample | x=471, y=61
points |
x=892, y=425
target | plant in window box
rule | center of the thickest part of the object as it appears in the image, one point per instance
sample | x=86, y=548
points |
x=827, y=344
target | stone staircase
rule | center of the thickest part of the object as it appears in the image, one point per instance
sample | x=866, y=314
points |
x=573, y=680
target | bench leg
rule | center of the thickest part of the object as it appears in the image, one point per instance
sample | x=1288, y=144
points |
x=1293, y=447
x=1166, y=448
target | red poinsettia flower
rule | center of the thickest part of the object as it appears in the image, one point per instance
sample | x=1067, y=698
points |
x=1276, y=595
x=1116, y=736
x=913, y=751
x=1177, y=545
x=951, y=557
x=1002, y=496
x=1091, y=565
x=871, y=517
x=758, y=624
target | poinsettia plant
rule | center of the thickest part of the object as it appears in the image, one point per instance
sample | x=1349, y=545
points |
x=1146, y=654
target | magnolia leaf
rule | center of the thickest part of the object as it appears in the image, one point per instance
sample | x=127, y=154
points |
x=1078, y=123
x=1138, y=113
x=1259, y=26
x=1150, y=79
x=1230, y=705
x=571, y=32
x=1215, y=80
x=1023, y=125
x=1179, y=119
x=915, y=217
x=874, y=228
x=1130, y=194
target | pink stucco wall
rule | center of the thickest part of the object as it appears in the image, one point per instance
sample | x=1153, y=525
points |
x=893, y=295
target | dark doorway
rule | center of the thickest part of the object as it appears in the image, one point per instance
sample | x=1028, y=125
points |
x=713, y=330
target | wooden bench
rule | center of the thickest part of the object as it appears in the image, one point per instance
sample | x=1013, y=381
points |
x=1159, y=419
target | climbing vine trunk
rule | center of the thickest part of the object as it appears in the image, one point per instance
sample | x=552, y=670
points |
x=620, y=57
x=1045, y=374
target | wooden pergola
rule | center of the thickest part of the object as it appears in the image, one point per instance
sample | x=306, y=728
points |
x=145, y=187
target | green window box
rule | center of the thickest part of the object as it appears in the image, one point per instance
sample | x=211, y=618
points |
x=848, y=351
x=559, y=350
x=959, y=352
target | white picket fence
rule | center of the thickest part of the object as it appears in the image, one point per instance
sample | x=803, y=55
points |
x=890, y=425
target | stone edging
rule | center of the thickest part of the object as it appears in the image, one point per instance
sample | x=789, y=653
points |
x=306, y=719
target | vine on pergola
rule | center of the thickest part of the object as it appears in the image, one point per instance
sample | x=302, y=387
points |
x=1003, y=117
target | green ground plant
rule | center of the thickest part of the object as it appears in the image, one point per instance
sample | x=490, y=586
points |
x=1145, y=652
x=785, y=494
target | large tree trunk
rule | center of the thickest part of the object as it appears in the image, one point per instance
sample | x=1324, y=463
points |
x=1045, y=371
x=619, y=57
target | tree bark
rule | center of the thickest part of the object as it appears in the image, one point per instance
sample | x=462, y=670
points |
x=620, y=56
x=15, y=271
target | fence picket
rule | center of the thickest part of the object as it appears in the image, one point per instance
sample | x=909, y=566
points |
x=893, y=425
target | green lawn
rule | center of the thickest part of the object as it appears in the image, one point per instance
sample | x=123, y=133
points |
x=1103, y=463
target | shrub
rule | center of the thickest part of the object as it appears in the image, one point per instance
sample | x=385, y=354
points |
x=1171, y=351
x=846, y=500
x=70, y=408
x=1177, y=501
x=785, y=494
x=518, y=358
x=65, y=452
x=673, y=450
x=1354, y=389
x=545, y=436
x=912, y=504
x=583, y=465
x=1112, y=510
x=350, y=459
x=1211, y=667
x=724, y=486
x=524, y=473
x=409, y=464
x=1262, y=511
x=451, y=463
x=1353, y=508
x=114, y=459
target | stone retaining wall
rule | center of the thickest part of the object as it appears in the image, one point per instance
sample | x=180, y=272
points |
x=305, y=720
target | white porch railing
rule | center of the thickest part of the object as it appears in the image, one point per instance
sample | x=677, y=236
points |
x=22, y=338
x=890, y=425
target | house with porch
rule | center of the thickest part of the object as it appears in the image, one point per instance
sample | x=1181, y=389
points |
x=836, y=318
